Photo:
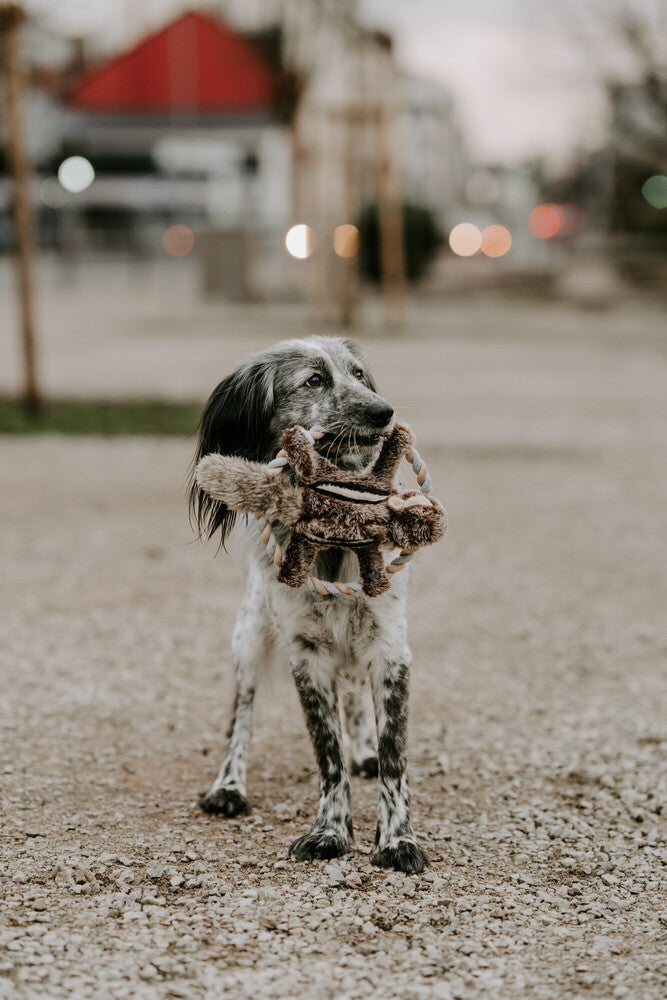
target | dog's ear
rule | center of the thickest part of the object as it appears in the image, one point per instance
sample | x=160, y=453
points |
x=236, y=421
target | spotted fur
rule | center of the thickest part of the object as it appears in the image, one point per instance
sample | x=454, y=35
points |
x=334, y=647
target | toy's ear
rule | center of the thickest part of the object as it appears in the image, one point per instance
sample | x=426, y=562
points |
x=306, y=462
x=403, y=436
x=385, y=470
x=300, y=453
x=236, y=421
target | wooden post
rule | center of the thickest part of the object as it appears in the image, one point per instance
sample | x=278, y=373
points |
x=350, y=264
x=390, y=223
x=11, y=16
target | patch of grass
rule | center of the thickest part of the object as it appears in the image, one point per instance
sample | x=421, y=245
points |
x=102, y=417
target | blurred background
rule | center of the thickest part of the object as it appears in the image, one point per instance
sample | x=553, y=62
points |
x=355, y=161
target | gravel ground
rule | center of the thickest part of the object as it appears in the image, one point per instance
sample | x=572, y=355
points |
x=537, y=719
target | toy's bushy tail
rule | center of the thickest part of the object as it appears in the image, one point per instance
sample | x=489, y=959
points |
x=249, y=487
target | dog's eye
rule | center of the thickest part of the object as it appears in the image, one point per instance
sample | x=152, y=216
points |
x=358, y=374
x=314, y=380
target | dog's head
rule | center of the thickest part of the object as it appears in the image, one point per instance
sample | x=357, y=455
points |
x=322, y=381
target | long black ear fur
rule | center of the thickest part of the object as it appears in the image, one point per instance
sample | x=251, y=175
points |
x=235, y=421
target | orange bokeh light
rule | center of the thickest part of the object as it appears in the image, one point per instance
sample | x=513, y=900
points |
x=545, y=221
x=178, y=240
x=496, y=241
x=346, y=240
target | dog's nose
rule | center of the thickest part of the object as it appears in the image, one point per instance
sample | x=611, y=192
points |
x=379, y=414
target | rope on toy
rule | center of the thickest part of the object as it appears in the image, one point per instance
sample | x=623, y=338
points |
x=327, y=587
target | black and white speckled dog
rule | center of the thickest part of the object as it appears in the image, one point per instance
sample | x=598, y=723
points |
x=332, y=643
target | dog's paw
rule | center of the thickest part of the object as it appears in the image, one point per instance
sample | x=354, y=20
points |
x=224, y=802
x=319, y=845
x=405, y=856
x=367, y=768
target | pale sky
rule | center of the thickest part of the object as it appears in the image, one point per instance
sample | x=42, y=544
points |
x=527, y=74
x=524, y=82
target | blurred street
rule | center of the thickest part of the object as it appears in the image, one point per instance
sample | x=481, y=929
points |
x=141, y=330
x=537, y=728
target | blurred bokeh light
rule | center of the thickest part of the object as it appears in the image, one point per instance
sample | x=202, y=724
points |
x=465, y=239
x=52, y=193
x=300, y=241
x=545, y=221
x=655, y=191
x=75, y=174
x=496, y=241
x=346, y=240
x=178, y=240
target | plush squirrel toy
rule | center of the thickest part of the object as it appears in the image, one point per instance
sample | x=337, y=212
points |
x=327, y=507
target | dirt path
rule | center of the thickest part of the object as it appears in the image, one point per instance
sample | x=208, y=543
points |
x=538, y=713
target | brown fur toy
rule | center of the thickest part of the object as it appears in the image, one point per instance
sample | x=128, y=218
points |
x=328, y=507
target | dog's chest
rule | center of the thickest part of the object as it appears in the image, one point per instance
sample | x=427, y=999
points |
x=345, y=635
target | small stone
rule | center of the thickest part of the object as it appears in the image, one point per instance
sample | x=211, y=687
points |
x=39, y=905
x=20, y=877
x=176, y=881
x=335, y=875
x=148, y=972
x=155, y=870
x=166, y=965
x=284, y=810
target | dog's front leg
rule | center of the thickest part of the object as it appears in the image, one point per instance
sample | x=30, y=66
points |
x=250, y=644
x=395, y=839
x=315, y=682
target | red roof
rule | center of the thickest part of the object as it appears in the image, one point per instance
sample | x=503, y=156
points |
x=195, y=63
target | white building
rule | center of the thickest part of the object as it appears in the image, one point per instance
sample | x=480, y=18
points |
x=352, y=126
x=432, y=156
